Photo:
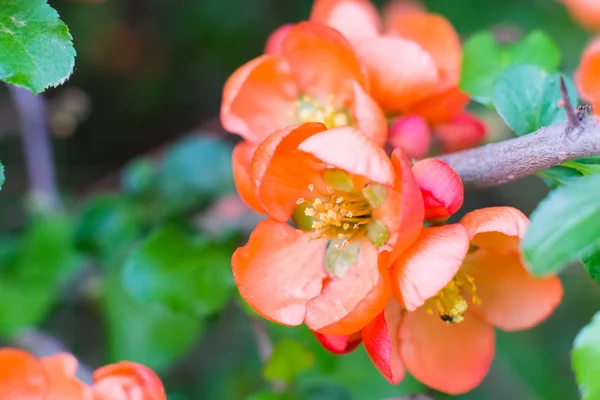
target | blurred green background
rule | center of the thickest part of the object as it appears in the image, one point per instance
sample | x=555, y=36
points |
x=142, y=164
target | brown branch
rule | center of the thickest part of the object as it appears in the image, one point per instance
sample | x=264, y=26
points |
x=567, y=105
x=498, y=163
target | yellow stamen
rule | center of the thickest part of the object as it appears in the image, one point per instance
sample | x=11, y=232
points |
x=309, y=109
x=450, y=302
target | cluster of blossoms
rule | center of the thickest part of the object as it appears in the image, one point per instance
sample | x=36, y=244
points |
x=355, y=243
x=25, y=377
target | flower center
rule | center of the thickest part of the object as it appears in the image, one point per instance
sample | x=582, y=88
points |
x=342, y=213
x=450, y=303
x=308, y=109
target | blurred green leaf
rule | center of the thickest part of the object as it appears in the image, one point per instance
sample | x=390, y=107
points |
x=139, y=176
x=40, y=261
x=289, y=359
x=146, y=333
x=195, y=168
x=591, y=262
x=564, y=226
x=526, y=97
x=559, y=175
x=484, y=60
x=179, y=272
x=36, y=46
x=2, y=176
x=586, y=360
x=108, y=225
x=268, y=395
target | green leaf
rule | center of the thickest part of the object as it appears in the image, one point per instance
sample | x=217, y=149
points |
x=183, y=274
x=146, y=333
x=591, y=262
x=2, y=176
x=36, y=46
x=289, y=359
x=484, y=60
x=139, y=176
x=195, y=168
x=108, y=225
x=564, y=226
x=526, y=97
x=36, y=267
x=585, y=360
x=268, y=395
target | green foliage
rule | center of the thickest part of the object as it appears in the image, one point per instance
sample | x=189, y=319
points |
x=526, y=97
x=564, y=226
x=107, y=226
x=32, y=271
x=36, y=46
x=139, y=176
x=591, y=262
x=2, y=177
x=586, y=359
x=268, y=395
x=484, y=60
x=147, y=333
x=185, y=274
x=289, y=359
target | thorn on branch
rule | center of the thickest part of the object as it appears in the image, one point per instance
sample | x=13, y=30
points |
x=565, y=103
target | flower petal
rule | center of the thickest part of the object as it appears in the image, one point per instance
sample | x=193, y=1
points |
x=281, y=174
x=496, y=229
x=585, y=12
x=437, y=37
x=402, y=210
x=587, y=77
x=63, y=384
x=241, y=163
x=127, y=377
x=339, y=344
x=441, y=107
x=452, y=358
x=411, y=134
x=275, y=41
x=22, y=376
x=349, y=149
x=396, y=8
x=429, y=264
x=382, y=342
x=369, y=117
x=400, y=72
x=258, y=97
x=279, y=270
x=442, y=189
x=357, y=20
x=511, y=299
x=347, y=304
x=322, y=61
x=461, y=132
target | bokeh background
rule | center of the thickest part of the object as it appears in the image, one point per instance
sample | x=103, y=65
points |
x=138, y=147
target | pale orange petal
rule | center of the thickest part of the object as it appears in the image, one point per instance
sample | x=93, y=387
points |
x=357, y=20
x=369, y=117
x=587, y=77
x=452, y=358
x=401, y=73
x=279, y=270
x=347, y=304
x=127, y=380
x=63, y=384
x=441, y=107
x=585, y=12
x=396, y=8
x=258, y=97
x=275, y=41
x=241, y=163
x=497, y=229
x=322, y=61
x=429, y=264
x=349, y=149
x=382, y=342
x=22, y=376
x=511, y=299
x=281, y=174
x=437, y=37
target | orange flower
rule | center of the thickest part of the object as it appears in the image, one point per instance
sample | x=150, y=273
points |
x=587, y=77
x=351, y=206
x=457, y=283
x=585, y=12
x=24, y=377
x=127, y=380
x=414, y=66
x=339, y=344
